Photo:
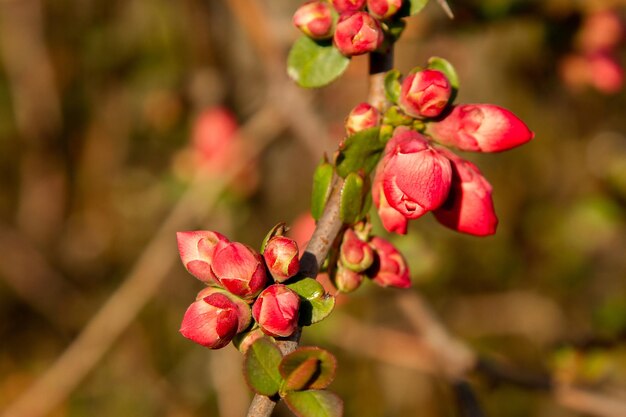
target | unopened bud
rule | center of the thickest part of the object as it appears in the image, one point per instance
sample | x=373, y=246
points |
x=196, y=250
x=425, y=93
x=390, y=268
x=276, y=310
x=348, y=6
x=240, y=269
x=315, y=19
x=357, y=33
x=383, y=9
x=281, y=257
x=363, y=116
x=354, y=253
x=347, y=280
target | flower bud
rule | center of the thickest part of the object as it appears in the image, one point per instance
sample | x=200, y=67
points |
x=215, y=318
x=606, y=74
x=390, y=268
x=415, y=177
x=276, y=310
x=316, y=19
x=363, y=116
x=357, y=33
x=355, y=254
x=469, y=207
x=281, y=257
x=425, y=93
x=214, y=139
x=601, y=32
x=240, y=269
x=348, y=6
x=197, y=250
x=383, y=9
x=347, y=280
x=480, y=128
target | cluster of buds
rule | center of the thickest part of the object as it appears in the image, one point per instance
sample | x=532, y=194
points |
x=417, y=174
x=355, y=26
x=362, y=256
x=242, y=285
x=593, y=62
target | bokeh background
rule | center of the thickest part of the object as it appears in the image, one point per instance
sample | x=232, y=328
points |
x=98, y=168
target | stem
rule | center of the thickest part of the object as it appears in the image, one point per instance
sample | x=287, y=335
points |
x=328, y=226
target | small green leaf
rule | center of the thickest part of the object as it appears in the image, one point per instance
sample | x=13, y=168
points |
x=393, y=86
x=395, y=117
x=314, y=403
x=297, y=365
x=314, y=64
x=279, y=230
x=315, y=303
x=261, y=367
x=322, y=180
x=351, y=198
x=448, y=70
x=411, y=7
x=360, y=151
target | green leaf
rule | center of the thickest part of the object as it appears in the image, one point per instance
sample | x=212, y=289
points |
x=314, y=64
x=314, y=403
x=279, y=230
x=315, y=303
x=393, y=86
x=411, y=7
x=261, y=367
x=351, y=198
x=322, y=180
x=395, y=117
x=308, y=367
x=447, y=68
x=360, y=151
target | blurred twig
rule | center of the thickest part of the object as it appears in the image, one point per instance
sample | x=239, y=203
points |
x=139, y=286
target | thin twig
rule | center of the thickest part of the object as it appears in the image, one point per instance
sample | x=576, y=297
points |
x=139, y=286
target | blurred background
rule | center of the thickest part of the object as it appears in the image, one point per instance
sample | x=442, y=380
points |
x=108, y=119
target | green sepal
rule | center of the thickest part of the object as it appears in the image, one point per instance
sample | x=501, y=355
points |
x=351, y=198
x=315, y=303
x=448, y=70
x=307, y=367
x=394, y=116
x=322, y=181
x=386, y=132
x=393, y=85
x=314, y=64
x=314, y=403
x=359, y=151
x=279, y=230
x=261, y=363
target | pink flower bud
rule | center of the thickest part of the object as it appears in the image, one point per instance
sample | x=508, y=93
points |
x=197, y=250
x=469, y=207
x=240, y=269
x=315, y=19
x=393, y=221
x=355, y=254
x=390, y=269
x=480, y=128
x=425, y=93
x=348, y=6
x=276, y=310
x=416, y=177
x=347, y=280
x=357, y=33
x=214, y=138
x=383, y=9
x=363, y=116
x=215, y=318
x=281, y=257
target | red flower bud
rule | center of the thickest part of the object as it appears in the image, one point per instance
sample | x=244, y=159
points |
x=281, y=257
x=240, y=269
x=469, y=207
x=347, y=280
x=415, y=177
x=315, y=19
x=215, y=318
x=355, y=254
x=348, y=6
x=357, y=33
x=197, y=250
x=393, y=221
x=481, y=128
x=425, y=93
x=276, y=310
x=383, y=9
x=363, y=116
x=390, y=269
